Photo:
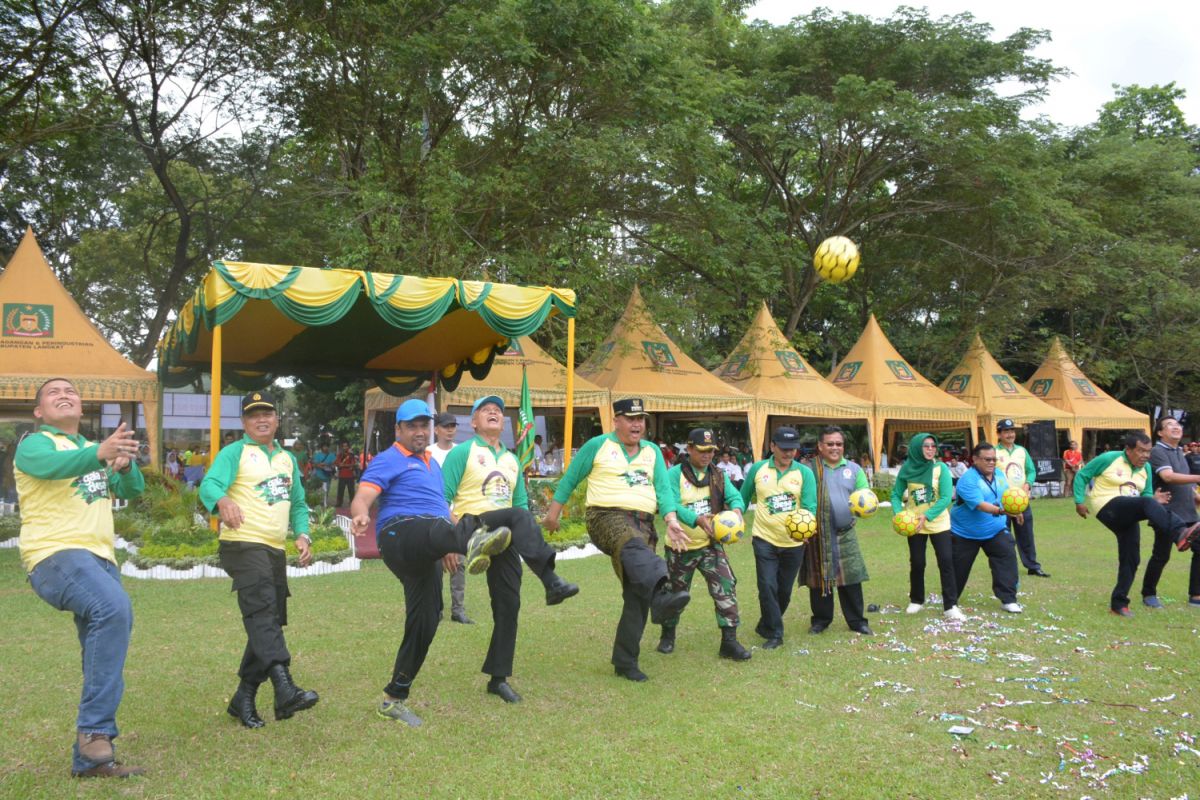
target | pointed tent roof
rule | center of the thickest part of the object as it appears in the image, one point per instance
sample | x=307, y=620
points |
x=45, y=334
x=765, y=365
x=875, y=371
x=981, y=381
x=1060, y=382
x=547, y=384
x=639, y=360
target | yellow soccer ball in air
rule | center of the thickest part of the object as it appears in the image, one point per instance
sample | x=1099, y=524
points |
x=728, y=527
x=1014, y=500
x=905, y=523
x=836, y=259
x=863, y=503
x=800, y=524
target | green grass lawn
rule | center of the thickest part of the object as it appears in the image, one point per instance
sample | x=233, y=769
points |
x=1064, y=693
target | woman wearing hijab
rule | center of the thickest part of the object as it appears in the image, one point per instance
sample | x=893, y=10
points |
x=924, y=486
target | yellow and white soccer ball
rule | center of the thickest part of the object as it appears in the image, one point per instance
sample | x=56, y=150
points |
x=1014, y=500
x=836, y=259
x=906, y=522
x=728, y=527
x=863, y=503
x=800, y=524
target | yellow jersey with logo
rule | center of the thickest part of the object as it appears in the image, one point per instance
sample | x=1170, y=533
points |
x=62, y=511
x=698, y=500
x=618, y=480
x=1112, y=476
x=479, y=479
x=265, y=482
x=776, y=494
x=1013, y=465
x=920, y=498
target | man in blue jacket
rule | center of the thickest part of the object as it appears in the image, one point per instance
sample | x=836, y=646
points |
x=978, y=522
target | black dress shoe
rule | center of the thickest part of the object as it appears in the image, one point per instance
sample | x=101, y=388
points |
x=560, y=591
x=666, y=646
x=817, y=628
x=633, y=674
x=771, y=644
x=1041, y=573
x=667, y=605
x=863, y=629
x=503, y=691
x=461, y=618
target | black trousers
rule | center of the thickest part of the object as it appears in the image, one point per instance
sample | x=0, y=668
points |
x=943, y=551
x=1023, y=533
x=345, y=486
x=411, y=547
x=850, y=598
x=1164, y=545
x=643, y=572
x=1002, y=559
x=776, y=568
x=1121, y=515
x=259, y=577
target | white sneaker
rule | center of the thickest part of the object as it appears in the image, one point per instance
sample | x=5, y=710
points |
x=955, y=614
x=913, y=608
x=1012, y=608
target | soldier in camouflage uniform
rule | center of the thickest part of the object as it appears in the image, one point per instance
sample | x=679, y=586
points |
x=700, y=493
x=627, y=484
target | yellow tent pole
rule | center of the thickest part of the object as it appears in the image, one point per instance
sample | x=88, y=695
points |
x=568, y=422
x=214, y=430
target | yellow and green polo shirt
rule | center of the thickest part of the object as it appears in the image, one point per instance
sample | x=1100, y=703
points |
x=776, y=494
x=266, y=484
x=66, y=496
x=479, y=478
x=617, y=479
x=695, y=501
x=1016, y=465
x=1111, y=475
x=933, y=505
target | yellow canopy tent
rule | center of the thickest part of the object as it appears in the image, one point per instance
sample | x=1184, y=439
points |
x=980, y=381
x=1061, y=383
x=875, y=371
x=639, y=360
x=766, y=366
x=547, y=385
x=328, y=325
x=46, y=335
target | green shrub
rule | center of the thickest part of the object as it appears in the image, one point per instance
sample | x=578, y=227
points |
x=882, y=484
x=10, y=527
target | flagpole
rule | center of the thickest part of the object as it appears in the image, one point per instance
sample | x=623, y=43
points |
x=568, y=423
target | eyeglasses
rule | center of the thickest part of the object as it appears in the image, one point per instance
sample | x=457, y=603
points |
x=929, y=446
x=985, y=460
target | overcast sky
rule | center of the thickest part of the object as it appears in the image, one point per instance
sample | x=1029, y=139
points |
x=1101, y=43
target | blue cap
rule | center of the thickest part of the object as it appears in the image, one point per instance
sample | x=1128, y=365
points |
x=413, y=409
x=491, y=398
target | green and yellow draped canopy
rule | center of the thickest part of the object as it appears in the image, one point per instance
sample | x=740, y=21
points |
x=327, y=326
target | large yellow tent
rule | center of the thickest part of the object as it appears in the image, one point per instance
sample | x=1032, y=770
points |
x=639, y=360
x=981, y=381
x=547, y=385
x=46, y=335
x=766, y=366
x=875, y=371
x=1061, y=383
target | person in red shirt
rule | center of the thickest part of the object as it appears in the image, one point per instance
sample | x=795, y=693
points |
x=346, y=465
x=1072, y=461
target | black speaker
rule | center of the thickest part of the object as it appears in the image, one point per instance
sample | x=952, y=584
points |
x=1041, y=440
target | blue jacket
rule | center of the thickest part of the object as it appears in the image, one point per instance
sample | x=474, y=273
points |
x=966, y=520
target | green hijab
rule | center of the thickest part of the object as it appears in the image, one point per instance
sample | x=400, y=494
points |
x=916, y=467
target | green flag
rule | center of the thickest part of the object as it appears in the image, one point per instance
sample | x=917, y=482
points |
x=525, y=420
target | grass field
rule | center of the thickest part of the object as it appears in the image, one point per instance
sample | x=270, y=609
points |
x=1066, y=700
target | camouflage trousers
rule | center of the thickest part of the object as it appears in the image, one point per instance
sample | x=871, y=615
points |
x=718, y=574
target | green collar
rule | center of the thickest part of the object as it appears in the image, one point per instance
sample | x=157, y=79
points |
x=497, y=452
x=74, y=437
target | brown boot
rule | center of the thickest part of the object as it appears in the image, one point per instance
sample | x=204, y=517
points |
x=97, y=747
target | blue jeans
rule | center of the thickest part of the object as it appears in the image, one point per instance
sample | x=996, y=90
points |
x=90, y=587
x=777, y=569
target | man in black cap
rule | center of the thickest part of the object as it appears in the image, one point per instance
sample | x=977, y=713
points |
x=1015, y=463
x=445, y=428
x=778, y=486
x=256, y=487
x=627, y=484
x=700, y=492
